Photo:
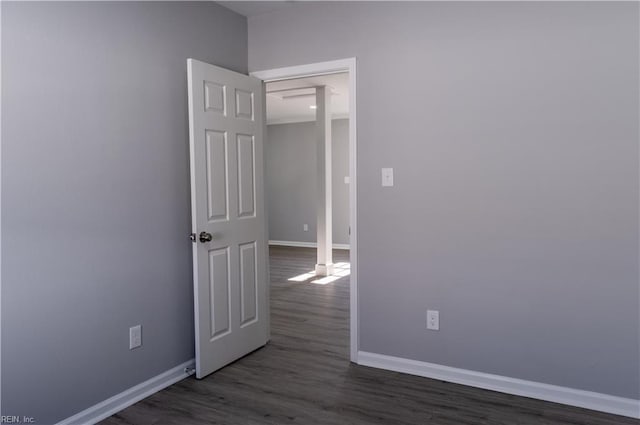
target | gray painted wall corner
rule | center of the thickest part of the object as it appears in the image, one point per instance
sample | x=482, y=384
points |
x=95, y=194
x=513, y=131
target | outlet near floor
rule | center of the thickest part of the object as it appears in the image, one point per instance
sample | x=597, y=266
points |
x=135, y=337
x=433, y=320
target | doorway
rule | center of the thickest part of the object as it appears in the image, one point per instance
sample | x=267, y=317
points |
x=275, y=79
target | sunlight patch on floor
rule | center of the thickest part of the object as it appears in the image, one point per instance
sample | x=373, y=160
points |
x=302, y=277
x=340, y=270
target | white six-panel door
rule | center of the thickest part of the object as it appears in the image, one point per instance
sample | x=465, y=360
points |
x=227, y=209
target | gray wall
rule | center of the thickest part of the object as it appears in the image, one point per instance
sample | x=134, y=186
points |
x=291, y=172
x=95, y=194
x=513, y=131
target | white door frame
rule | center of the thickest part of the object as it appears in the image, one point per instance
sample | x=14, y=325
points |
x=332, y=67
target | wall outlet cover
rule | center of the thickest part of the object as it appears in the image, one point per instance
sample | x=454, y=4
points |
x=433, y=320
x=135, y=337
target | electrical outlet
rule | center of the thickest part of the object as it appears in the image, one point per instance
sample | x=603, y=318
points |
x=387, y=177
x=135, y=337
x=433, y=320
x=305, y=227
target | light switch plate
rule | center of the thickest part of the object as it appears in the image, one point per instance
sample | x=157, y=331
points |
x=387, y=177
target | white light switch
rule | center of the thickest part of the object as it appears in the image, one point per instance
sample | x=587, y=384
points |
x=387, y=177
x=305, y=227
x=346, y=179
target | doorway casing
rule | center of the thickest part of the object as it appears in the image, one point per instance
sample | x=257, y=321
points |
x=323, y=68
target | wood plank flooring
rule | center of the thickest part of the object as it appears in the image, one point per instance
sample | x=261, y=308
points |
x=303, y=376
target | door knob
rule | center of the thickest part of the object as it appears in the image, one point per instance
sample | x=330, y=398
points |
x=205, y=237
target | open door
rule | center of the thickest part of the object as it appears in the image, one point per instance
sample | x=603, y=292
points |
x=230, y=274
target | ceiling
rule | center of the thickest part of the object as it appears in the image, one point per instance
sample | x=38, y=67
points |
x=290, y=100
x=253, y=8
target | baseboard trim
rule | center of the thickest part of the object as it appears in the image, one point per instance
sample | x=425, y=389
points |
x=307, y=244
x=569, y=396
x=104, y=409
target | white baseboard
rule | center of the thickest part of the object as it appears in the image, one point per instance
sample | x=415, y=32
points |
x=307, y=244
x=570, y=396
x=118, y=402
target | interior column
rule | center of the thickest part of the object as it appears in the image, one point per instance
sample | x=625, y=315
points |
x=324, y=266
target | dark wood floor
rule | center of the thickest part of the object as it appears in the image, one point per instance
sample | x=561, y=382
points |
x=303, y=376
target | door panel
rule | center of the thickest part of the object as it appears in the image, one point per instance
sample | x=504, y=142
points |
x=246, y=176
x=217, y=182
x=227, y=203
x=219, y=293
x=248, y=279
x=214, y=97
x=244, y=105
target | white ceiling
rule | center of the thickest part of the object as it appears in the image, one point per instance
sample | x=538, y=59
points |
x=290, y=100
x=253, y=8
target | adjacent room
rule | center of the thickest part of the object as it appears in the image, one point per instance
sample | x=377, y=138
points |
x=295, y=161
x=320, y=212
x=291, y=169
